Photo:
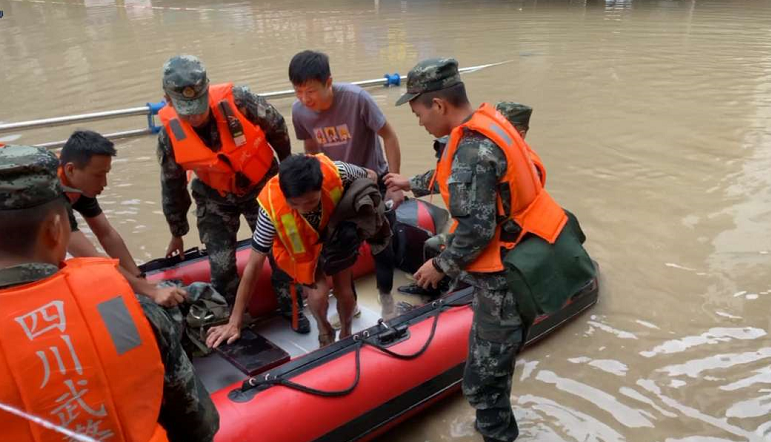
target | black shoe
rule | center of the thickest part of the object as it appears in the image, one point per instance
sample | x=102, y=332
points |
x=414, y=289
x=303, y=324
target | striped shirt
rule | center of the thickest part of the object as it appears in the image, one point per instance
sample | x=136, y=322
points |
x=265, y=231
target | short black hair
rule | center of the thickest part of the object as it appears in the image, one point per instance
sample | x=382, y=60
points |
x=455, y=95
x=299, y=174
x=23, y=226
x=83, y=145
x=309, y=65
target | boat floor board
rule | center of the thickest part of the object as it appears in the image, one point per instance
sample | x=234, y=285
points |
x=278, y=331
x=216, y=372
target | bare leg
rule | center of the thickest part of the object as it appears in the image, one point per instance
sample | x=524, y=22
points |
x=346, y=301
x=318, y=303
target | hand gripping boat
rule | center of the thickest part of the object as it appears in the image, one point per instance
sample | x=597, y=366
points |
x=275, y=385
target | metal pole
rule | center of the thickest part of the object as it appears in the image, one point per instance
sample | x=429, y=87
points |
x=61, y=121
x=378, y=81
x=145, y=110
x=112, y=136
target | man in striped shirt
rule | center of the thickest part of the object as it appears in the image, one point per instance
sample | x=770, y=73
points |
x=300, y=178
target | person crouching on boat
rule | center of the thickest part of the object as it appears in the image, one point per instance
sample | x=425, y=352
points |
x=296, y=210
x=492, y=188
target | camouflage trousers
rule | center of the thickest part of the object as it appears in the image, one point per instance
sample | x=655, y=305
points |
x=187, y=412
x=496, y=334
x=218, y=226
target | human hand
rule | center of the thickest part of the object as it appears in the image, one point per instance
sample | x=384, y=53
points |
x=397, y=197
x=396, y=182
x=228, y=332
x=176, y=247
x=168, y=296
x=428, y=276
x=371, y=174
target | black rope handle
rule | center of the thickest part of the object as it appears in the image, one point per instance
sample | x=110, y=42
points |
x=256, y=383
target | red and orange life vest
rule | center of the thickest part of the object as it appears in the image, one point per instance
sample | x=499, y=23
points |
x=296, y=247
x=77, y=352
x=252, y=156
x=532, y=208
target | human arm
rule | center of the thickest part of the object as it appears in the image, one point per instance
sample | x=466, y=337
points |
x=232, y=330
x=391, y=146
x=420, y=185
x=112, y=242
x=187, y=412
x=257, y=110
x=394, y=156
x=175, y=199
x=310, y=146
x=80, y=246
x=351, y=172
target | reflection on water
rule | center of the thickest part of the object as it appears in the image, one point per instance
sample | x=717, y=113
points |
x=652, y=117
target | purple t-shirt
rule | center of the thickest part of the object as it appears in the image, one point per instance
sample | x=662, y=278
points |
x=347, y=131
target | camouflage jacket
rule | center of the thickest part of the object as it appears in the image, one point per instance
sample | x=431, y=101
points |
x=477, y=168
x=187, y=412
x=174, y=195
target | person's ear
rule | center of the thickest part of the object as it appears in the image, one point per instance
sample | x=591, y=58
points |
x=52, y=231
x=68, y=169
x=440, y=105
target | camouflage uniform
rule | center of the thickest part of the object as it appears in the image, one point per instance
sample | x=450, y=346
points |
x=28, y=178
x=496, y=331
x=218, y=216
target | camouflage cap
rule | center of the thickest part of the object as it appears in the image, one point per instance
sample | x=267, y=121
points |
x=430, y=75
x=28, y=177
x=517, y=114
x=185, y=81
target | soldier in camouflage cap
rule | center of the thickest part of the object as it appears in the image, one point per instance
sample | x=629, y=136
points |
x=186, y=84
x=28, y=177
x=471, y=184
x=33, y=244
x=430, y=75
x=189, y=125
x=517, y=114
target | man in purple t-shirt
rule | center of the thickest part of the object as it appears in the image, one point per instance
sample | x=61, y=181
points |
x=342, y=121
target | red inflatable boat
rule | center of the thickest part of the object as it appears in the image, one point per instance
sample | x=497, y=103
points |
x=275, y=385
x=416, y=220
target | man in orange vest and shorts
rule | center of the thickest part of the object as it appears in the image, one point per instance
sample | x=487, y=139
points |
x=491, y=183
x=296, y=207
x=82, y=354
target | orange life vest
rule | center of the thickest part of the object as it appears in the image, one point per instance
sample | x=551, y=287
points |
x=76, y=351
x=251, y=154
x=532, y=208
x=71, y=196
x=296, y=247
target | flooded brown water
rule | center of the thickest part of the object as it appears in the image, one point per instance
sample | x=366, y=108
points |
x=653, y=119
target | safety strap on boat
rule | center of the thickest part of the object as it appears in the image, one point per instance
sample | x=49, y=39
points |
x=266, y=381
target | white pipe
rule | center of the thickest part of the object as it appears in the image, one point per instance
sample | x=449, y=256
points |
x=144, y=110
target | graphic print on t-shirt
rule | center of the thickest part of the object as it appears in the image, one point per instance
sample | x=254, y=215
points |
x=332, y=135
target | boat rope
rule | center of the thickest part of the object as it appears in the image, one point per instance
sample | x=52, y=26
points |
x=267, y=381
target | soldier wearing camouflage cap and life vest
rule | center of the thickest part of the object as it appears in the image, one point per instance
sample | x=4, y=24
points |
x=228, y=138
x=495, y=196
x=119, y=357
